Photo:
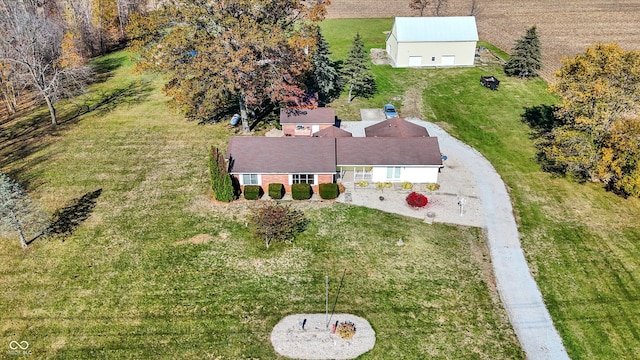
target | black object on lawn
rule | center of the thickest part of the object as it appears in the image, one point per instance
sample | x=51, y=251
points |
x=489, y=82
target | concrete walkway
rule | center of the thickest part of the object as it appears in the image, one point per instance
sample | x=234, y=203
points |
x=518, y=290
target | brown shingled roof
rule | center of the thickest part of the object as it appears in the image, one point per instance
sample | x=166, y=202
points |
x=281, y=155
x=395, y=127
x=332, y=132
x=307, y=116
x=388, y=151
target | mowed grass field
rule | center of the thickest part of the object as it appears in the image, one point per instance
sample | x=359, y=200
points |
x=158, y=270
x=582, y=243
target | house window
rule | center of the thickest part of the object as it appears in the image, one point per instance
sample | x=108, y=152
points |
x=303, y=179
x=299, y=127
x=433, y=58
x=393, y=173
x=250, y=179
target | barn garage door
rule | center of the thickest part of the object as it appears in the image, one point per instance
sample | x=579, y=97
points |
x=415, y=60
x=448, y=60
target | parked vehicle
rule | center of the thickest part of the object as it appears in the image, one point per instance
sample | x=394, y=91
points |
x=390, y=111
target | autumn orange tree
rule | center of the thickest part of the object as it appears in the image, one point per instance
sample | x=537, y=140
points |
x=224, y=56
x=598, y=133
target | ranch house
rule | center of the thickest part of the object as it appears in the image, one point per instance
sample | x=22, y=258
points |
x=316, y=160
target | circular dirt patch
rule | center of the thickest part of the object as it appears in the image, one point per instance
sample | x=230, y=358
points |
x=316, y=341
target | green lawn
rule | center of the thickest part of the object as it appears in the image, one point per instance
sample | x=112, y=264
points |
x=158, y=270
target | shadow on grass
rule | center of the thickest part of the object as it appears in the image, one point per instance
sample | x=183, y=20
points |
x=105, y=66
x=541, y=118
x=30, y=134
x=67, y=219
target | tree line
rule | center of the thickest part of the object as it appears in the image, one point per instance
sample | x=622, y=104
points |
x=45, y=45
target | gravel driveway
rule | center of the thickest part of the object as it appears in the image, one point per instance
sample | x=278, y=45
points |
x=467, y=174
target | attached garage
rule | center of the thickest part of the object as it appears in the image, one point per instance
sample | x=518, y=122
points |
x=433, y=41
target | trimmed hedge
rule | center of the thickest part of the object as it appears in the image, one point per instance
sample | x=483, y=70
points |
x=301, y=191
x=328, y=191
x=252, y=192
x=276, y=191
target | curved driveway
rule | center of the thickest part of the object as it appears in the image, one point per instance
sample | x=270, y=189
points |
x=518, y=290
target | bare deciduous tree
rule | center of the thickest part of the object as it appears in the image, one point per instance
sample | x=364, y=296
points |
x=475, y=8
x=8, y=89
x=32, y=44
x=439, y=7
x=419, y=5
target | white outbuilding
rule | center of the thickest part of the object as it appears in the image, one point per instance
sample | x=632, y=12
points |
x=433, y=41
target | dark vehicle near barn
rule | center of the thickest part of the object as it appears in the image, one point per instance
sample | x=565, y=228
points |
x=489, y=82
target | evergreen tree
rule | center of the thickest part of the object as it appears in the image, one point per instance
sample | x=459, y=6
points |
x=357, y=72
x=221, y=182
x=17, y=212
x=326, y=78
x=526, y=57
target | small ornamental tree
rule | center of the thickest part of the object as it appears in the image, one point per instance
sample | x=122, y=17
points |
x=417, y=200
x=17, y=212
x=526, y=58
x=279, y=223
x=221, y=182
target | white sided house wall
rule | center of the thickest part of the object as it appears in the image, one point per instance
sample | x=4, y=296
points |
x=432, y=41
x=412, y=174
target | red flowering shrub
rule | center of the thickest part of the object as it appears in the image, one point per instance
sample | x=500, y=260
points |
x=417, y=200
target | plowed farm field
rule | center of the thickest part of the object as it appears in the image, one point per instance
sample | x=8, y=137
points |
x=565, y=27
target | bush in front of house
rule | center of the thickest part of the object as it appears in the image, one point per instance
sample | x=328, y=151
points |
x=276, y=191
x=301, y=191
x=328, y=191
x=417, y=200
x=252, y=192
x=432, y=186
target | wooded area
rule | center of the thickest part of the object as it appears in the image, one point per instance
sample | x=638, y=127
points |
x=45, y=44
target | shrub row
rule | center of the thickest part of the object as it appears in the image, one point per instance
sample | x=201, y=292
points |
x=298, y=191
